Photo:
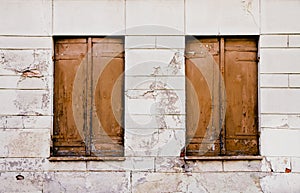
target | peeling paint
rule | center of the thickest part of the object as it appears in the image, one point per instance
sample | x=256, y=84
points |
x=28, y=62
x=32, y=73
x=176, y=63
x=165, y=101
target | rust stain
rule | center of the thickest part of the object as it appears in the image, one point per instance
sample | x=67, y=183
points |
x=287, y=170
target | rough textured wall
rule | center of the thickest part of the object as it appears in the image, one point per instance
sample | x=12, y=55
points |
x=154, y=46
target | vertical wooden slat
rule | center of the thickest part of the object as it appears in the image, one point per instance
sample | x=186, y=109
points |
x=89, y=99
x=222, y=95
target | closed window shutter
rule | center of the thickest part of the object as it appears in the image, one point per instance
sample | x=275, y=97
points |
x=88, y=105
x=237, y=62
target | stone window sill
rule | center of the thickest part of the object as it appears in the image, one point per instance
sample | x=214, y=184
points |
x=214, y=158
x=86, y=158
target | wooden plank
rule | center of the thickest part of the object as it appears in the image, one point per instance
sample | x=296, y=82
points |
x=64, y=124
x=108, y=40
x=70, y=50
x=197, y=83
x=200, y=48
x=241, y=89
x=222, y=96
x=69, y=58
x=76, y=40
x=108, y=104
x=89, y=99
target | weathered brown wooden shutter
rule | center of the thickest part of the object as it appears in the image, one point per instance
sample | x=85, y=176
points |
x=198, y=83
x=241, y=88
x=88, y=104
x=237, y=61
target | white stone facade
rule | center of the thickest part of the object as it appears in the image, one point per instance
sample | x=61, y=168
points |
x=155, y=34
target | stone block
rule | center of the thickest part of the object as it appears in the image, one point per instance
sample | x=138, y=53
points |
x=272, y=22
x=294, y=40
x=266, y=41
x=230, y=17
x=280, y=142
x=2, y=165
x=196, y=182
x=140, y=106
x=22, y=82
x=7, y=42
x=155, y=121
x=204, y=166
x=224, y=182
x=266, y=165
x=65, y=182
x=116, y=182
x=25, y=102
x=170, y=42
x=26, y=122
x=169, y=164
x=238, y=17
x=154, y=142
x=279, y=60
x=87, y=182
x=171, y=142
x=278, y=183
x=158, y=62
x=158, y=182
x=279, y=164
x=32, y=17
x=274, y=80
x=20, y=62
x=294, y=121
x=145, y=82
x=274, y=121
x=141, y=142
x=24, y=143
x=198, y=12
x=70, y=166
x=294, y=80
x=295, y=164
x=154, y=17
x=32, y=182
x=26, y=164
x=280, y=121
x=280, y=100
x=133, y=42
x=155, y=102
x=89, y=17
x=129, y=164
x=244, y=165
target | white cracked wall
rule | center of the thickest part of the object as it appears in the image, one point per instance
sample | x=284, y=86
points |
x=154, y=36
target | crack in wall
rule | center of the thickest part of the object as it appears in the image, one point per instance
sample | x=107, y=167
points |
x=247, y=6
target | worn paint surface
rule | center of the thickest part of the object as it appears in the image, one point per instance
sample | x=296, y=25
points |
x=237, y=61
x=153, y=141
